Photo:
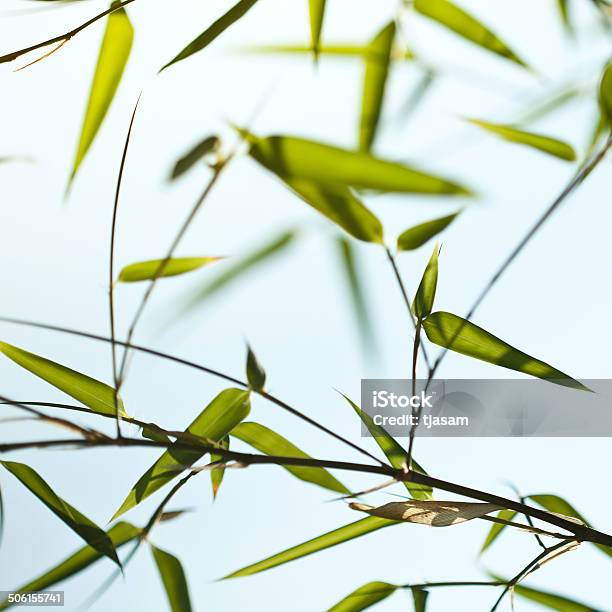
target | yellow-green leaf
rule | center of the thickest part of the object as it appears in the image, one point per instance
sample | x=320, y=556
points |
x=419, y=597
x=112, y=59
x=418, y=235
x=549, y=145
x=149, y=270
x=270, y=443
x=90, y=392
x=338, y=49
x=256, y=375
x=463, y=24
x=216, y=420
x=426, y=293
x=605, y=93
x=364, y=597
x=316, y=10
x=457, y=334
x=496, y=528
x=377, y=62
x=216, y=475
x=173, y=578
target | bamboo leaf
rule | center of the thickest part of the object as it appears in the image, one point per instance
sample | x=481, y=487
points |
x=364, y=597
x=149, y=270
x=552, y=146
x=256, y=375
x=119, y=534
x=605, y=94
x=112, y=59
x=377, y=63
x=496, y=528
x=317, y=13
x=337, y=49
x=457, y=334
x=223, y=413
x=418, y=235
x=173, y=578
x=462, y=23
x=90, y=392
x=216, y=475
x=419, y=596
x=79, y=523
x=426, y=293
x=210, y=144
x=563, y=6
x=270, y=443
x=213, y=31
x=327, y=540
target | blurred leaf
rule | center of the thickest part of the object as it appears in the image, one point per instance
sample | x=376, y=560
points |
x=212, y=32
x=210, y=144
x=216, y=475
x=393, y=451
x=563, y=6
x=376, y=72
x=317, y=14
x=170, y=515
x=364, y=597
x=80, y=524
x=419, y=597
x=552, y=146
x=327, y=540
x=426, y=293
x=463, y=24
x=496, y=529
x=90, y=392
x=270, y=443
x=536, y=109
x=112, y=59
x=605, y=93
x=256, y=375
x=457, y=334
x=600, y=127
x=340, y=49
x=1, y=517
x=119, y=534
x=173, y=578
x=148, y=270
x=223, y=413
x=418, y=235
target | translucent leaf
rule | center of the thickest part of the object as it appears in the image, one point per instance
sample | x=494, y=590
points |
x=426, y=293
x=496, y=528
x=148, y=270
x=457, y=334
x=376, y=72
x=463, y=24
x=339, y=50
x=216, y=420
x=552, y=146
x=364, y=597
x=317, y=13
x=418, y=235
x=97, y=538
x=419, y=596
x=212, y=32
x=270, y=443
x=327, y=540
x=563, y=6
x=90, y=392
x=216, y=475
x=112, y=59
x=605, y=93
x=173, y=579
x=256, y=375
x=209, y=145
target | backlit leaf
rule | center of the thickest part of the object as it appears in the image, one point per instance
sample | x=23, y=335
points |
x=173, y=579
x=419, y=596
x=364, y=597
x=317, y=13
x=457, y=334
x=209, y=145
x=605, y=93
x=418, y=235
x=149, y=270
x=216, y=475
x=496, y=528
x=426, y=293
x=256, y=375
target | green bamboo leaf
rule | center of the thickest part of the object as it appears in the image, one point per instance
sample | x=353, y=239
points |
x=216, y=475
x=212, y=32
x=393, y=451
x=496, y=529
x=364, y=597
x=90, y=392
x=297, y=158
x=426, y=293
x=463, y=24
x=317, y=13
x=270, y=443
x=605, y=93
x=148, y=270
x=173, y=578
x=223, y=413
x=563, y=6
x=552, y=146
x=120, y=534
x=457, y=334
x=97, y=538
x=419, y=596
x=210, y=144
x=256, y=375
x=337, y=49
x=418, y=235
x=327, y=540
x=377, y=63
x=112, y=59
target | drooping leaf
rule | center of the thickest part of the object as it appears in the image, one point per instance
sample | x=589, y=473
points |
x=377, y=63
x=463, y=24
x=338, y=50
x=431, y=513
x=119, y=534
x=213, y=31
x=496, y=528
x=112, y=59
x=605, y=94
x=256, y=375
x=364, y=597
x=563, y=6
x=418, y=235
x=419, y=596
x=216, y=475
x=316, y=10
x=393, y=451
x=92, y=534
x=270, y=443
x=209, y=145
x=173, y=578
x=90, y=392
x=426, y=293
x=549, y=145
x=149, y=270
x=223, y=413
x=457, y=334
x=327, y=540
